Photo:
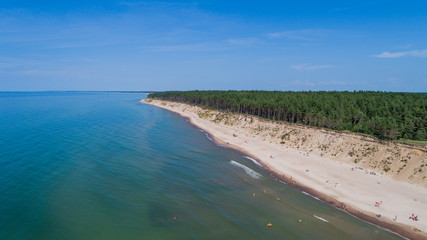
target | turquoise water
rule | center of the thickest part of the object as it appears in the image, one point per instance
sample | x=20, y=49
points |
x=104, y=166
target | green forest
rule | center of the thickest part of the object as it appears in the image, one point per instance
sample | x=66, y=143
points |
x=385, y=115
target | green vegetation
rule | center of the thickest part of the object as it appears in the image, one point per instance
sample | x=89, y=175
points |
x=415, y=142
x=385, y=115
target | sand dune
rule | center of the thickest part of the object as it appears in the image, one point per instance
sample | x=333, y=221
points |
x=350, y=171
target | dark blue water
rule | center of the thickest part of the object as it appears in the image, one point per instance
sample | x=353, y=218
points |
x=104, y=166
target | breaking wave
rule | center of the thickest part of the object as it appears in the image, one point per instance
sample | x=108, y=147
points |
x=320, y=218
x=253, y=160
x=249, y=171
x=308, y=194
x=207, y=135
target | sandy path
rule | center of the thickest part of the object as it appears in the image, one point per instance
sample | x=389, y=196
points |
x=354, y=190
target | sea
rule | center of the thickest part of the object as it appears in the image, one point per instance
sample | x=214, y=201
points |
x=102, y=165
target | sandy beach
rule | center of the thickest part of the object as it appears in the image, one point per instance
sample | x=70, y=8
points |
x=363, y=192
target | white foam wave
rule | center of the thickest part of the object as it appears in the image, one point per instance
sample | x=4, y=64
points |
x=283, y=182
x=253, y=160
x=320, y=218
x=249, y=171
x=308, y=194
x=207, y=135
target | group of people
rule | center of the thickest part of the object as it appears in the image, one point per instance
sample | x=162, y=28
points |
x=413, y=217
x=377, y=204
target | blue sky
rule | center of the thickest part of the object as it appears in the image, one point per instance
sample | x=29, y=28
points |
x=186, y=45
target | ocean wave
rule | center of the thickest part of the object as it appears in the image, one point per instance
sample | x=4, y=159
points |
x=320, y=218
x=249, y=171
x=283, y=182
x=207, y=135
x=253, y=160
x=308, y=194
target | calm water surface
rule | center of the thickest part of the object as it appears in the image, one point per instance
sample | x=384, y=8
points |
x=104, y=166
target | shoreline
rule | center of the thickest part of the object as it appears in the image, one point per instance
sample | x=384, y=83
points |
x=402, y=231
x=295, y=179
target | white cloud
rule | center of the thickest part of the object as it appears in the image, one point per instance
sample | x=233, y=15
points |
x=341, y=9
x=147, y=3
x=306, y=67
x=403, y=46
x=243, y=41
x=303, y=83
x=333, y=82
x=413, y=53
x=305, y=34
x=204, y=46
x=321, y=83
x=35, y=72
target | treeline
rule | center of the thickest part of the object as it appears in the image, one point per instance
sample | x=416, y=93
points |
x=385, y=115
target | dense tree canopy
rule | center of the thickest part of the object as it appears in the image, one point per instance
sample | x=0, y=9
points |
x=385, y=115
